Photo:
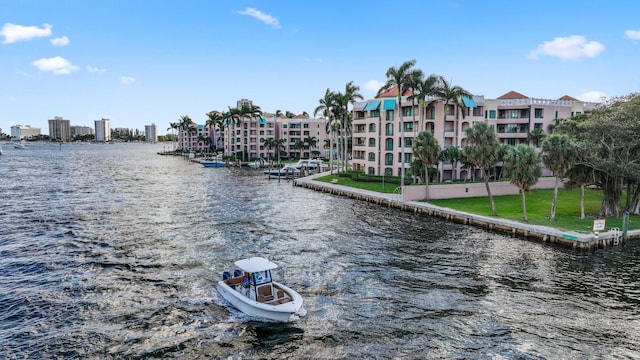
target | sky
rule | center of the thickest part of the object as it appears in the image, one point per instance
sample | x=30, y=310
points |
x=138, y=62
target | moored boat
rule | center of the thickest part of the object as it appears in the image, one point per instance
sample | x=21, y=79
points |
x=251, y=290
x=213, y=163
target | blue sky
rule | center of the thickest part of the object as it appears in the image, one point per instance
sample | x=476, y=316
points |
x=139, y=62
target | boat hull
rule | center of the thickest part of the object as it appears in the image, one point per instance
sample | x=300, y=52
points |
x=213, y=164
x=286, y=312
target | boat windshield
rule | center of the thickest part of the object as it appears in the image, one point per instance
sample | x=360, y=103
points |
x=262, y=277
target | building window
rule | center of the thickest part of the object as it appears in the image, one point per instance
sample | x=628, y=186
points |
x=371, y=170
x=511, y=142
x=492, y=114
x=372, y=156
x=432, y=110
x=449, y=109
x=390, y=116
x=388, y=172
x=372, y=127
x=501, y=128
x=512, y=128
x=408, y=126
x=388, y=159
x=538, y=113
x=372, y=142
x=524, y=128
x=388, y=144
x=389, y=130
x=284, y=126
x=375, y=113
x=537, y=126
x=407, y=111
x=408, y=141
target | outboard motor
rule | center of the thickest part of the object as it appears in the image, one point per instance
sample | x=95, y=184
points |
x=237, y=273
x=226, y=275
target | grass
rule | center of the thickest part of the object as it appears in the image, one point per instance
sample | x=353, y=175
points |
x=510, y=206
x=387, y=188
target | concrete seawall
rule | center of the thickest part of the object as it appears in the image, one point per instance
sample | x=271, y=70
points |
x=570, y=239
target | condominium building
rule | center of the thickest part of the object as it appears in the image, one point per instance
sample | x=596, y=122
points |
x=378, y=132
x=19, y=132
x=59, y=129
x=103, y=130
x=77, y=130
x=150, y=133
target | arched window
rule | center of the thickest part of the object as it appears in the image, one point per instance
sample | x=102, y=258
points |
x=372, y=127
x=388, y=144
x=372, y=142
x=388, y=171
x=371, y=170
x=389, y=129
x=388, y=159
x=372, y=156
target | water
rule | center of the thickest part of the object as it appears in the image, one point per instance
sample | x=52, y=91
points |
x=112, y=251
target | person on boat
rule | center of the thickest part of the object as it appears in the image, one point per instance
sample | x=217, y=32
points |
x=245, y=284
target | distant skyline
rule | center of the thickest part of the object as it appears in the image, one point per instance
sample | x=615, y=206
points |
x=153, y=61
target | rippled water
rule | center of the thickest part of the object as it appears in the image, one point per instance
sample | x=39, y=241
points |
x=112, y=251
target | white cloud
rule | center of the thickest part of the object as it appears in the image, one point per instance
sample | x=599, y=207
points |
x=13, y=33
x=373, y=85
x=61, y=41
x=92, y=69
x=593, y=96
x=568, y=48
x=632, y=34
x=57, y=65
x=127, y=80
x=265, y=18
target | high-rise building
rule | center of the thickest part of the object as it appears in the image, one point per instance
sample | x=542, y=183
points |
x=103, y=130
x=150, y=133
x=59, y=129
x=80, y=130
x=19, y=132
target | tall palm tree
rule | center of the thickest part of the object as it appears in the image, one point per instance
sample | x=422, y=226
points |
x=215, y=121
x=522, y=167
x=279, y=113
x=269, y=144
x=299, y=144
x=279, y=146
x=424, y=90
x=482, y=150
x=399, y=78
x=426, y=148
x=310, y=142
x=451, y=95
x=351, y=94
x=558, y=154
x=186, y=126
x=326, y=109
x=452, y=154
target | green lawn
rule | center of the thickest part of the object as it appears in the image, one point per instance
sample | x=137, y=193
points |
x=510, y=206
x=372, y=186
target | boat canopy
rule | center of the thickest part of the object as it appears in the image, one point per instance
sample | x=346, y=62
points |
x=255, y=264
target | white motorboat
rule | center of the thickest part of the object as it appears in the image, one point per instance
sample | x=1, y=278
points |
x=257, y=164
x=20, y=145
x=286, y=171
x=311, y=164
x=251, y=290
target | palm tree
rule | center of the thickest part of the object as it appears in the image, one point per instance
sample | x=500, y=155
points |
x=451, y=95
x=279, y=113
x=215, y=121
x=185, y=125
x=535, y=136
x=426, y=148
x=173, y=126
x=424, y=90
x=558, y=154
x=522, y=166
x=399, y=78
x=325, y=108
x=482, y=150
x=309, y=142
x=279, y=146
x=452, y=154
x=299, y=144
x=351, y=94
x=269, y=143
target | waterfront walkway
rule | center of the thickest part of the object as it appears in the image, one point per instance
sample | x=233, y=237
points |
x=545, y=234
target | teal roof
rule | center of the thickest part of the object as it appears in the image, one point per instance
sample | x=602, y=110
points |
x=389, y=105
x=468, y=102
x=372, y=105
